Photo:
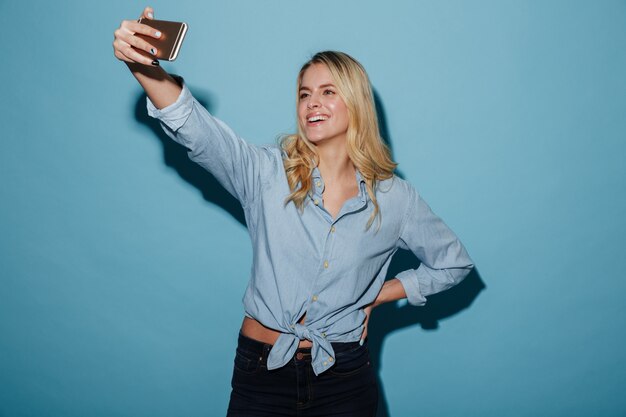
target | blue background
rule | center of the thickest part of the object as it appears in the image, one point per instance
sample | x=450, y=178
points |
x=122, y=265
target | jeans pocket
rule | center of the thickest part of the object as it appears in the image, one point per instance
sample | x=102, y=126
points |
x=351, y=362
x=246, y=362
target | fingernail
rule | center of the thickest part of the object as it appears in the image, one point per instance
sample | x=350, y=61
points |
x=361, y=342
x=153, y=51
x=150, y=15
x=155, y=63
x=157, y=34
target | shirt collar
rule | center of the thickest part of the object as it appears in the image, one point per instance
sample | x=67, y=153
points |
x=317, y=179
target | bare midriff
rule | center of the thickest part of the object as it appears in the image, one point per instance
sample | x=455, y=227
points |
x=255, y=330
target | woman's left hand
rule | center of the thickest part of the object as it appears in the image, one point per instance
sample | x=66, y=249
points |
x=391, y=290
x=368, y=312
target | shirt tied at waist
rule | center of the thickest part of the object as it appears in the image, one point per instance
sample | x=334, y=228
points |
x=322, y=353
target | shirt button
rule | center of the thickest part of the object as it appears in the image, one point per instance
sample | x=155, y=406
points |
x=318, y=183
x=316, y=202
x=330, y=359
x=325, y=264
x=324, y=335
x=332, y=229
x=325, y=363
x=315, y=298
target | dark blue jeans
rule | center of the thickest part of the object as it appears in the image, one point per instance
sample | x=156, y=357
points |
x=347, y=389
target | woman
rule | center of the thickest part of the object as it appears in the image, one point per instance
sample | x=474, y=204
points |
x=325, y=214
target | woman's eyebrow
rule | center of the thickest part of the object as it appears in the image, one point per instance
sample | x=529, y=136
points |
x=321, y=86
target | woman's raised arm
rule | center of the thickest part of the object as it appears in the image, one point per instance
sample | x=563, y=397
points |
x=160, y=87
x=239, y=166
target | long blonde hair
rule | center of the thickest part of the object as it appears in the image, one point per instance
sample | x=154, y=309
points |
x=366, y=149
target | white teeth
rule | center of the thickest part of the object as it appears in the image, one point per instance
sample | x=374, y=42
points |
x=317, y=118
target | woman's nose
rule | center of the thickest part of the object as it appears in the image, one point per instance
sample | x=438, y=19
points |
x=312, y=103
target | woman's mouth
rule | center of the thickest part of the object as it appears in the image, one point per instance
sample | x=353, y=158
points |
x=317, y=119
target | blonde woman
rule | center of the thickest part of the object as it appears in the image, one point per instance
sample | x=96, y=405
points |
x=325, y=213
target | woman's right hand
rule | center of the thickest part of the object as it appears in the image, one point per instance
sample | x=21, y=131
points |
x=125, y=40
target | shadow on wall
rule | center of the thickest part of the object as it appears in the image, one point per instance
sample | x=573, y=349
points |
x=385, y=319
x=175, y=156
x=390, y=317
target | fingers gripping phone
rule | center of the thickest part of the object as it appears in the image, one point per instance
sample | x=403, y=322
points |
x=172, y=35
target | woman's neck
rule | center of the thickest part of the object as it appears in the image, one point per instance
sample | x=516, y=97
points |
x=335, y=165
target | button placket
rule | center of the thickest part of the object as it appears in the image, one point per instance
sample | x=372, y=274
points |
x=326, y=261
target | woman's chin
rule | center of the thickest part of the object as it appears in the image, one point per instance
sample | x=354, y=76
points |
x=322, y=139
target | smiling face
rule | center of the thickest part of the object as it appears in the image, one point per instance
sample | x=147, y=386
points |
x=322, y=113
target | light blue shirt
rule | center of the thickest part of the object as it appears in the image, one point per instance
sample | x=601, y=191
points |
x=309, y=262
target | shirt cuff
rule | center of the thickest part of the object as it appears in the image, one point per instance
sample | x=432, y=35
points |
x=411, y=285
x=176, y=114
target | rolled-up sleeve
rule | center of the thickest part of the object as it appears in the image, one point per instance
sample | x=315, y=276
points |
x=238, y=165
x=444, y=260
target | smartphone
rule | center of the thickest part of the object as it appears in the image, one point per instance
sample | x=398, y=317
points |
x=168, y=45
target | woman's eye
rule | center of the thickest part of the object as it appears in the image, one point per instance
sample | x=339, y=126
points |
x=303, y=95
x=329, y=92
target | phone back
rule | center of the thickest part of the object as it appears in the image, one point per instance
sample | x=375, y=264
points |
x=172, y=35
